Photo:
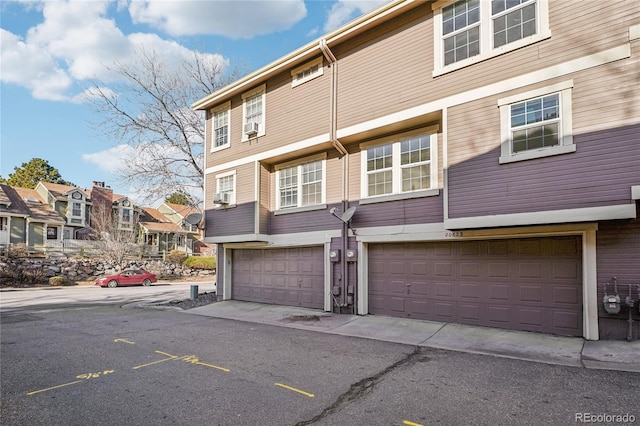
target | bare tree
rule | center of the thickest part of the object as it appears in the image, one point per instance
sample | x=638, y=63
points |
x=113, y=242
x=149, y=110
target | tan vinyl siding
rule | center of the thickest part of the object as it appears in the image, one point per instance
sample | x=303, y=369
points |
x=578, y=29
x=387, y=70
x=245, y=183
x=334, y=175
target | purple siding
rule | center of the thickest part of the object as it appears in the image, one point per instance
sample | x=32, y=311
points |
x=599, y=173
x=315, y=220
x=403, y=212
x=230, y=221
x=618, y=256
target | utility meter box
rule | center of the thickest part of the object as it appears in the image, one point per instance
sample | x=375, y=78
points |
x=611, y=304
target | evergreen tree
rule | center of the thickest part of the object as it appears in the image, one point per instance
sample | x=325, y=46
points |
x=36, y=170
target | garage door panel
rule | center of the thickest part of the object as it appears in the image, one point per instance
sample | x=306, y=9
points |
x=526, y=284
x=289, y=276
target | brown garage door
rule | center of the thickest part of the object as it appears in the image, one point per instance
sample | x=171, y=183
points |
x=292, y=276
x=532, y=284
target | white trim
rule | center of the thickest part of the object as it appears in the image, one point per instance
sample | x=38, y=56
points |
x=587, y=214
x=256, y=211
x=234, y=200
x=549, y=73
x=227, y=107
x=565, y=137
x=634, y=32
x=524, y=80
x=322, y=157
x=328, y=299
x=299, y=239
x=589, y=286
x=227, y=279
x=635, y=192
x=487, y=51
x=317, y=140
x=262, y=124
x=396, y=169
x=319, y=61
x=362, y=306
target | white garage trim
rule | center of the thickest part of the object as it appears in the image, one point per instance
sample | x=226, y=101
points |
x=435, y=232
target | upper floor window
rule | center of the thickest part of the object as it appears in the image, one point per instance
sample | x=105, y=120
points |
x=400, y=167
x=225, y=189
x=254, y=113
x=220, y=123
x=76, y=209
x=537, y=123
x=300, y=184
x=307, y=72
x=469, y=31
x=126, y=215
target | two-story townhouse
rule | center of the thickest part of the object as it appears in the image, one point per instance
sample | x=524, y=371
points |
x=188, y=218
x=27, y=218
x=112, y=211
x=71, y=203
x=467, y=161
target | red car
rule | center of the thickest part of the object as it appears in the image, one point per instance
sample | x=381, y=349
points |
x=127, y=277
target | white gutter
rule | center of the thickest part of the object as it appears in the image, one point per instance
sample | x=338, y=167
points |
x=333, y=63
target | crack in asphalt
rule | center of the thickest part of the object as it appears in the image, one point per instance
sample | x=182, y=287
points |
x=364, y=386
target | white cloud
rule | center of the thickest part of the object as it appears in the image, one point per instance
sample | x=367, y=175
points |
x=345, y=10
x=234, y=19
x=76, y=41
x=111, y=160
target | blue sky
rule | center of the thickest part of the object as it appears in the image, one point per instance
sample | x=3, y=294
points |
x=51, y=49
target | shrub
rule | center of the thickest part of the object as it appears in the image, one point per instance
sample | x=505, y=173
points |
x=176, y=257
x=200, y=262
x=57, y=281
x=18, y=250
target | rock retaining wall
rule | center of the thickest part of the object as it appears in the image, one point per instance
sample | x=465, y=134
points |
x=87, y=270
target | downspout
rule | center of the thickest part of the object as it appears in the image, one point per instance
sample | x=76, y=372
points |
x=344, y=155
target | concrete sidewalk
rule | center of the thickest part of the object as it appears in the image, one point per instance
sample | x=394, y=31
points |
x=570, y=351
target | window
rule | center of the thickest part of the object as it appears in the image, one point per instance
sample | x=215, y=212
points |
x=537, y=123
x=254, y=111
x=226, y=187
x=300, y=185
x=306, y=72
x=126, y=215
x=469, y=31
x=220, y=123
x=52, y=233
x=76, y=209
x=402, y=167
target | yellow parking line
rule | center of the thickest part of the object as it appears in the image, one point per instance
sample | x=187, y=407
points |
x=310, y=395
x=409, y=423
x=52, y=388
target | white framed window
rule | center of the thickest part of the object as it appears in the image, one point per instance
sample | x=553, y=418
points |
x=126, y=215
x=301, y=184
x=470, y=31
x=537, y=123
x=226, y=188
x=253, y=107
x=307, y=72
x=76, y=209
x=220, y=119
x=404, y=166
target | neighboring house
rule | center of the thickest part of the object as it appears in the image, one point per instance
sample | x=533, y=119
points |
x=491, y=152
x=190, y=219
x=159, y=235
x=70, y=202
x=27, y=218
x=113, y=210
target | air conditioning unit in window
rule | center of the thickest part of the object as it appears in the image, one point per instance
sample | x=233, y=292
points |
x=221, y=198
x=251, y=128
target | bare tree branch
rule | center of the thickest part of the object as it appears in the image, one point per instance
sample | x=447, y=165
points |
x=149, y=110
